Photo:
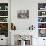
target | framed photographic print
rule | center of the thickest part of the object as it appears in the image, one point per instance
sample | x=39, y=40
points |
x=23, y=14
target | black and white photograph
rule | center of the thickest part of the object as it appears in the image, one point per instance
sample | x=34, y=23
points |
x=23, y=14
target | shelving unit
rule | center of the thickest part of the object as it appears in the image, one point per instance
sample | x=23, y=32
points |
x=42, y=19
x=41, y=10
x=42, y=16
x=3, y=10
x=4, y=19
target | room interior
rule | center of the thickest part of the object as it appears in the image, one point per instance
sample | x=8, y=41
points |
x=22, y=22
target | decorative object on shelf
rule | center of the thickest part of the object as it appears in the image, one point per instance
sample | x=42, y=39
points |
x=3, y=13
x=3, y=19
x=23, y=40
x=41, y=6
x=41, y=19
x=0, y=7
x=18, y=42
x=24, y=37
x=42, y=32
x=23, y=14
x=41, y=25
x=41, y=13
x=3, y=6
x=13, y=27
x=4, y=29
x=6, y=7
x=31, y=27
x=4, y=26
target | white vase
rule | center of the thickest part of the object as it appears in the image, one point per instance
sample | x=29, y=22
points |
x=22, y=43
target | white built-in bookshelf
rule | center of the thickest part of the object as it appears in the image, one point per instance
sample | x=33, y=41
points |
x=42, y=19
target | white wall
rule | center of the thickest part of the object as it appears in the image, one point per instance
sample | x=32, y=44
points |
x=23, y=24
x=32, y=6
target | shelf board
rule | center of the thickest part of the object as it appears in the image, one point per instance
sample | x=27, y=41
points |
x=42, y=16
x=41, y=22
x=3, y=10
x=41, y=10
x=3, y=16
x=41, y=28
x=3, y=22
